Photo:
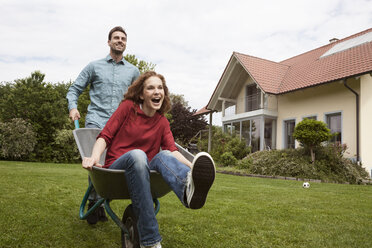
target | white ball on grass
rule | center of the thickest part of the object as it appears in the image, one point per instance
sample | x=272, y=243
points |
x=306, y=185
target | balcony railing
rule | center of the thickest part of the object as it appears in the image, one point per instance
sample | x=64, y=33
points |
x=253, y=102
x=249, y=103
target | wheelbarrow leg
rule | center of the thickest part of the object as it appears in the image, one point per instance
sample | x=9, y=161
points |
x=83, y=215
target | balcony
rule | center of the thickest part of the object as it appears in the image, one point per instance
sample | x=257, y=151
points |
x=252, y=105
x=253, y=102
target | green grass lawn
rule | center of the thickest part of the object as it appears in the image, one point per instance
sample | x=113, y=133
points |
x=39, y=207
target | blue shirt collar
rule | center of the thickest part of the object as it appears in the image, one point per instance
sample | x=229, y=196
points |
x=109, y=59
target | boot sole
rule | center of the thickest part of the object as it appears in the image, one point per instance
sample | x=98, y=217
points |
x=203, y=174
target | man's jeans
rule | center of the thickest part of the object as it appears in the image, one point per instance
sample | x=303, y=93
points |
x=137, y=173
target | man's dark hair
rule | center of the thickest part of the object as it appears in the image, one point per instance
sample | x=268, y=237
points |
x=118, y=28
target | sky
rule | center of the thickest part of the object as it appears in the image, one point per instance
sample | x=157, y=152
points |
x=190, y=41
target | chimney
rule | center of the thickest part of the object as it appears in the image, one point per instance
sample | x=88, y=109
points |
x=333, y=40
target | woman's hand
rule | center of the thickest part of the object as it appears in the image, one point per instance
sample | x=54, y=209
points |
x=98, y=148
x=89, y=162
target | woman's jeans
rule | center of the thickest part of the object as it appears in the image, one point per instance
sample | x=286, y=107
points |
x=137, y=173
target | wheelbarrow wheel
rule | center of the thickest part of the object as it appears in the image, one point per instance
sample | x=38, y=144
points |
x=130, y=222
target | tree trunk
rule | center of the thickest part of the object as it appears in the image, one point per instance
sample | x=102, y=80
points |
x=312, y=155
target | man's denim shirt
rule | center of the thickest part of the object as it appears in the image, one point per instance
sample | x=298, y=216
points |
x=108, y=81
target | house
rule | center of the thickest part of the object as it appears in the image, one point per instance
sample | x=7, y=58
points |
x=262, y=100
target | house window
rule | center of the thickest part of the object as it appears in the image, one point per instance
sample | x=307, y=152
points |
x=289, y=126
x=246, y=131
x=269, y=134
x=258, y=133
x=253, y=98
x=227, y=128
x=251, y=133
x=255, y=134
x=236, y=129
x=334, y=123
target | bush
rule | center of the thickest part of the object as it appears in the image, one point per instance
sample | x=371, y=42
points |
x=238, y=148
x=65, y=148
x=245, y=164
x=223, y=142
x=311, y=133
x=330, y=166
x=289, y=163
x=336, y=167
x=17, y=139
x=228, y=159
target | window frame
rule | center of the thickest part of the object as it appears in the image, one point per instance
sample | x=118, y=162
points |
x=335, y=113
x=285, y=140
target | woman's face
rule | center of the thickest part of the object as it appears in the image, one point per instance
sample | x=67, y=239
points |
x=152, y=95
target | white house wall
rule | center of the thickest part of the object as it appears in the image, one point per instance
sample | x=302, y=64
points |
x=240, y=102
x=319, y=101
x=365, y=122
x=272, y=102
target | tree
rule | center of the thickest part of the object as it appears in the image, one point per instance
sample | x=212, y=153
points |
x=311, y=133
x=83, y=103
x=183, y=124
x=142, y=65
x=41, y=104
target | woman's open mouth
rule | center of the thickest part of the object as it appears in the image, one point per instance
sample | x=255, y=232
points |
x=156, y=100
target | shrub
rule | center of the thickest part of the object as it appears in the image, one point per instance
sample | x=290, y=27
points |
x=338, y=168
x=245, y=164
x=228, y=159
x=223, y=142
x=17, y=139
x=311, y=133
x=65, y=148
x=281, y=163
x=238, y=148
x=330, y=166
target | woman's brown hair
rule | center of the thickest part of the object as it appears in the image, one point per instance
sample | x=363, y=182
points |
x=136, y=89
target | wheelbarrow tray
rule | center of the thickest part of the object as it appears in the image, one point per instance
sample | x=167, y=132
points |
x=112, y=184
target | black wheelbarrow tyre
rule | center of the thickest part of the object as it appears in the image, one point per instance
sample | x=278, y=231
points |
x=130, y=222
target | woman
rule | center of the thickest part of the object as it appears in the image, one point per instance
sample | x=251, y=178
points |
x=133, y=136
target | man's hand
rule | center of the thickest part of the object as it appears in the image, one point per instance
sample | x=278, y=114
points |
x=74, y=114
x=89, y=162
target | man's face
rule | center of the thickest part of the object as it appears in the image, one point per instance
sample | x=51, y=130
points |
x=118, y=42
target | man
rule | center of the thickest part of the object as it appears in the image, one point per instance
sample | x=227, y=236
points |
x=109, y=79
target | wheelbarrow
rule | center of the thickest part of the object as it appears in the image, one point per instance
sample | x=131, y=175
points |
x=111, y=185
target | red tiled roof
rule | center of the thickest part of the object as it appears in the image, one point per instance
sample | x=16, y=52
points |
x=309, y=69
x=202, y=111
x=266, y=73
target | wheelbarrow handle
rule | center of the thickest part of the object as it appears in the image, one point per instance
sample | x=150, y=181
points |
x=76, y=122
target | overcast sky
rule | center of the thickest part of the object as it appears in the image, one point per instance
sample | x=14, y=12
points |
x=189, y=41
